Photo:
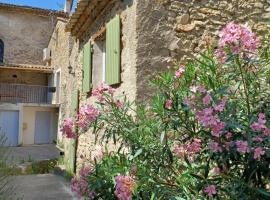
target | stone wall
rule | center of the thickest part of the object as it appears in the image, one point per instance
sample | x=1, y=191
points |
x=60, y=45
x=25, y=35
x=174, y=29
x=127, y=10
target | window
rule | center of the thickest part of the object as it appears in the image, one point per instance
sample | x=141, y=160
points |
x=101, y=59
x=1, y=51
x=57, y=82
x=99, y=62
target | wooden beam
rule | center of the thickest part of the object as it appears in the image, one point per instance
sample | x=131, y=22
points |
x=98, y=12
x=99, y=34
x=85, y=14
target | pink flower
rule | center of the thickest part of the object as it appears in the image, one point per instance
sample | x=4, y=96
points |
x=228, y=135
x=257, y=139
x=266, y=132
x=216, y=170
x=101, y=91
x=85, y=171
x=195, y=147
x=258, y=152
x=220, y=107
x=228, y=145
x=201, y=89
x=210, y=190
x=68, y=129
x=119, y=104
x=260, y=125
x=87, y=114
x=180, y=72
x=124, y=187
x=180, y=151
x=80, y=185
x=218, y=128
x=214, y=146
x=239, y=38
x=242, y=146
x=207, y=99
x=168, y=104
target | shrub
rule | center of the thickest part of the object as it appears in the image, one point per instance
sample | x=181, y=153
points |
x=205, y=134
x=6, y=190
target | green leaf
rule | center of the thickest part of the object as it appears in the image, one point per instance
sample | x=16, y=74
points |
x=138, y=152
x=263, y=192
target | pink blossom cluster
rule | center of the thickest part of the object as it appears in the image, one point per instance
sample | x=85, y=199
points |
x=209, y=119
x=189, y=149
x=239, y=39
x=260, y=125
x=101, y=90
x=87, y=114
x=80, y=185
x=68, y=129
x=210, y=190
x=124, y=187
x=180, y=72
x=169, y=104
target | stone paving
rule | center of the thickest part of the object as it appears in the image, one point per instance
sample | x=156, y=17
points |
x=20, y=155
x=41, y=187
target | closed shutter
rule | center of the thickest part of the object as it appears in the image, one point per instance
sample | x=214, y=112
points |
x=87, y=67
x=75, y=101
x=113, y=51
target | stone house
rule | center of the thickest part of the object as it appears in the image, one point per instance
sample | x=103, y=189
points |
x=28, y=100
x=125, y=43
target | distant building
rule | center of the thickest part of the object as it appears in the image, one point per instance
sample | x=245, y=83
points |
x=28, y=110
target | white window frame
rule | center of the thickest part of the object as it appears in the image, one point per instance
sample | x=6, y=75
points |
x=104, y=61
x=55, y=85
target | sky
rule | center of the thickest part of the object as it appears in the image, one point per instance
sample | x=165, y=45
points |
x=47, y=4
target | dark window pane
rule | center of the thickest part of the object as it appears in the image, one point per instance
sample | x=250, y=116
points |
x=1, y=51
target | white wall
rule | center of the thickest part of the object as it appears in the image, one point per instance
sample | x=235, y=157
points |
x=29, y=120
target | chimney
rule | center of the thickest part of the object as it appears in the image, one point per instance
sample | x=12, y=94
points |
x=68, y=6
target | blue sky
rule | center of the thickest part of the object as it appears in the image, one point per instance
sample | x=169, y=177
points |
x=47, y=4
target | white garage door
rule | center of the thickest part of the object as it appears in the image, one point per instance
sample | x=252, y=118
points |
x=9, y=124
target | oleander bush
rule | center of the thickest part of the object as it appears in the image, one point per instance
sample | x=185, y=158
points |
x=204, y=135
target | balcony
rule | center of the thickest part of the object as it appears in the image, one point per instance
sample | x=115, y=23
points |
x=20, y=93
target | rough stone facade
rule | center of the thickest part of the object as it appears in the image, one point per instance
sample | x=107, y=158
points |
x=25, y=35
x=154, y=33
x=174, y=29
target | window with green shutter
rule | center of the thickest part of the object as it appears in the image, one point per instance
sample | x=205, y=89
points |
x=113, y=51
x=87, y=67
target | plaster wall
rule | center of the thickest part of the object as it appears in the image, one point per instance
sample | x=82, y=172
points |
x=25, y=35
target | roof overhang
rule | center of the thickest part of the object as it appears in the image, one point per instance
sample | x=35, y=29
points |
x=32, y=10
x=85, y=14
x=27, y=67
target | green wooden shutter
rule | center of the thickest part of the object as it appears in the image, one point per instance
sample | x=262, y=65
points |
x=71, y=148
x=87, y=67
x=71, y=155
x=74, y=101
x=113, y=51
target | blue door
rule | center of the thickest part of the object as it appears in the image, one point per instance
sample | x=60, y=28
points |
x=43, y=127
x=9, y=125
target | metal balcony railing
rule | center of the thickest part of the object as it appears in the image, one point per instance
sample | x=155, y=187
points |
x=21, y=93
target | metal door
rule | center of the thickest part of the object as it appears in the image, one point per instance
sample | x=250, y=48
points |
x=9, y=125
x=43, y=127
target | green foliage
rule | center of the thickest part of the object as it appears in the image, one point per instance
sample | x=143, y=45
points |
x=148, y=136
